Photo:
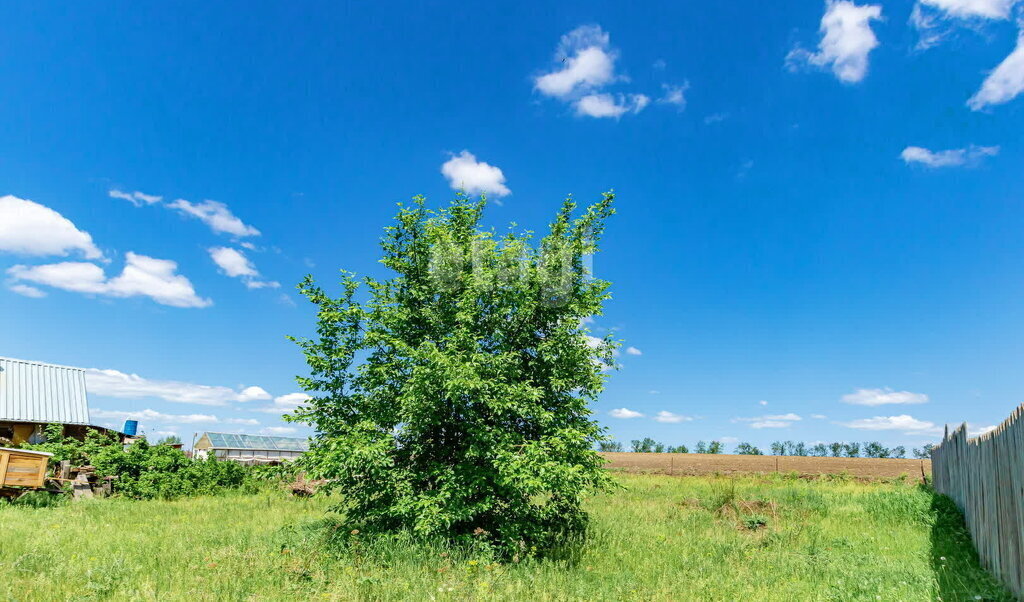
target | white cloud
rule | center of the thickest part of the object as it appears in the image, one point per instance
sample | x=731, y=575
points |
x=28, y=228
x=966, y=9
x=135, y=198
x=763, y=402
x=27, y=291
x=141, y=276
x=877, y=397
x=253, y=393
x=819, y=416
x=931, y=18
x=729, y=439
x=668, y=417
x=292, y=399
x=607, y=105
x=771, y=420
x=902, y=422
x=243, y=421
x=587, y=63
x=675, y=95
x=846, y=41
x=285, y=403
x=1005, y=82
x=624, y=413
x=216, y=215
x=715, y=118
x=948, y=158
x=974, y=432
x=154, y=416
x=113, y=383
x=235, y=264
x=278, y=430
x=633, y=351
x=464, y=172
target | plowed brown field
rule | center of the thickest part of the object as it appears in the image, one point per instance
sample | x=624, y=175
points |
x=700, y=464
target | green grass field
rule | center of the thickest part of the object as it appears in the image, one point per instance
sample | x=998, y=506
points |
x=659, y=538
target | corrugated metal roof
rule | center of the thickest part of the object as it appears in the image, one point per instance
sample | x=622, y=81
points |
x=257, y=442
x=38, y=392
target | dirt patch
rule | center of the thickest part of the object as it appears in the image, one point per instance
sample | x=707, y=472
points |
x=805, y=466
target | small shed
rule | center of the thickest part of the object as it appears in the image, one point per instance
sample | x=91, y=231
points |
x=250, y=449
x=34, y=394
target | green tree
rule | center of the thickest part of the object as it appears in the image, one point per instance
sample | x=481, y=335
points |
x=925, y=452
x=874, y=449
x=836, y=449
x=778, y=448
x=609, y=446
x=702, y=447
x=679, y=449
x=645, y=445
x=468, y=414
x=169, y=440
x=851, y=450
x=715, y=447
x=747, y=449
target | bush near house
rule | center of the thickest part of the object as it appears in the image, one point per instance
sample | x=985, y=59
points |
x=144, y=471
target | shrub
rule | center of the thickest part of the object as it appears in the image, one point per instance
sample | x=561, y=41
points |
x=142, y=471
x=469, y=416
x=609, y=446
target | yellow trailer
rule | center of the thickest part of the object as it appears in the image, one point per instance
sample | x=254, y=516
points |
x=22, y=468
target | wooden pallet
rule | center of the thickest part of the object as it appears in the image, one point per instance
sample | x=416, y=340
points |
x=22, y=468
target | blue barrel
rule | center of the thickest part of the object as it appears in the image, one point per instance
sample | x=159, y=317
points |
x=131, y=427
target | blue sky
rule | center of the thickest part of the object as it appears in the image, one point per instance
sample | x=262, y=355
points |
x=819, y=204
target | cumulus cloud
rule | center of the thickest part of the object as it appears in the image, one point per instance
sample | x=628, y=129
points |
x=1005, y=82
x=148, y=415
x=28, y=228
x=957, y=157
x=587, y=63
x=464, y=172
x=981, y=430
x=216, y=215
x=669, y=417
x=235, y=264
x=608, y=105
x=114, y=383
x=135, y=198
x=846, y=41
x=770, y=421
x=141, y=276
x=624, y=413
x=886, y=396
x=253, y=393
x=903, y=422
x=819, y=416
x=286, y=403
x=633, y=351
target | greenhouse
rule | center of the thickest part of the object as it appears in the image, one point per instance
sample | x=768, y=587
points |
x=255, y=449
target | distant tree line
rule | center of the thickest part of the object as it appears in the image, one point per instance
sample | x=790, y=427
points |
x=870, y=449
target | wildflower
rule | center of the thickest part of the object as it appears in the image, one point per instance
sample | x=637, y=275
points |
x=942, y=558
x=472, y=563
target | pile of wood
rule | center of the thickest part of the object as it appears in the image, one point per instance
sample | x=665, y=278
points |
x=303, y=487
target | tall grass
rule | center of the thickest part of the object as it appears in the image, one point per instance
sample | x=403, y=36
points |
x=661, y=538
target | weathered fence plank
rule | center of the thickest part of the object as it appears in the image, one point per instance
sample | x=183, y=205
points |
x=984, y=475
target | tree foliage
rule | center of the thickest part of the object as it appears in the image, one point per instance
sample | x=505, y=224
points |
x=467, y=411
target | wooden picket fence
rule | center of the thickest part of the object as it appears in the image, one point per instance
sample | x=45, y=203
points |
x=984, y=475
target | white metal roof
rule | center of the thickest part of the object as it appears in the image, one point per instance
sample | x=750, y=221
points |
x=38, y=392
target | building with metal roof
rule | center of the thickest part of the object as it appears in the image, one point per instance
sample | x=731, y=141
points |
x=249, y=448
x=33, y=394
